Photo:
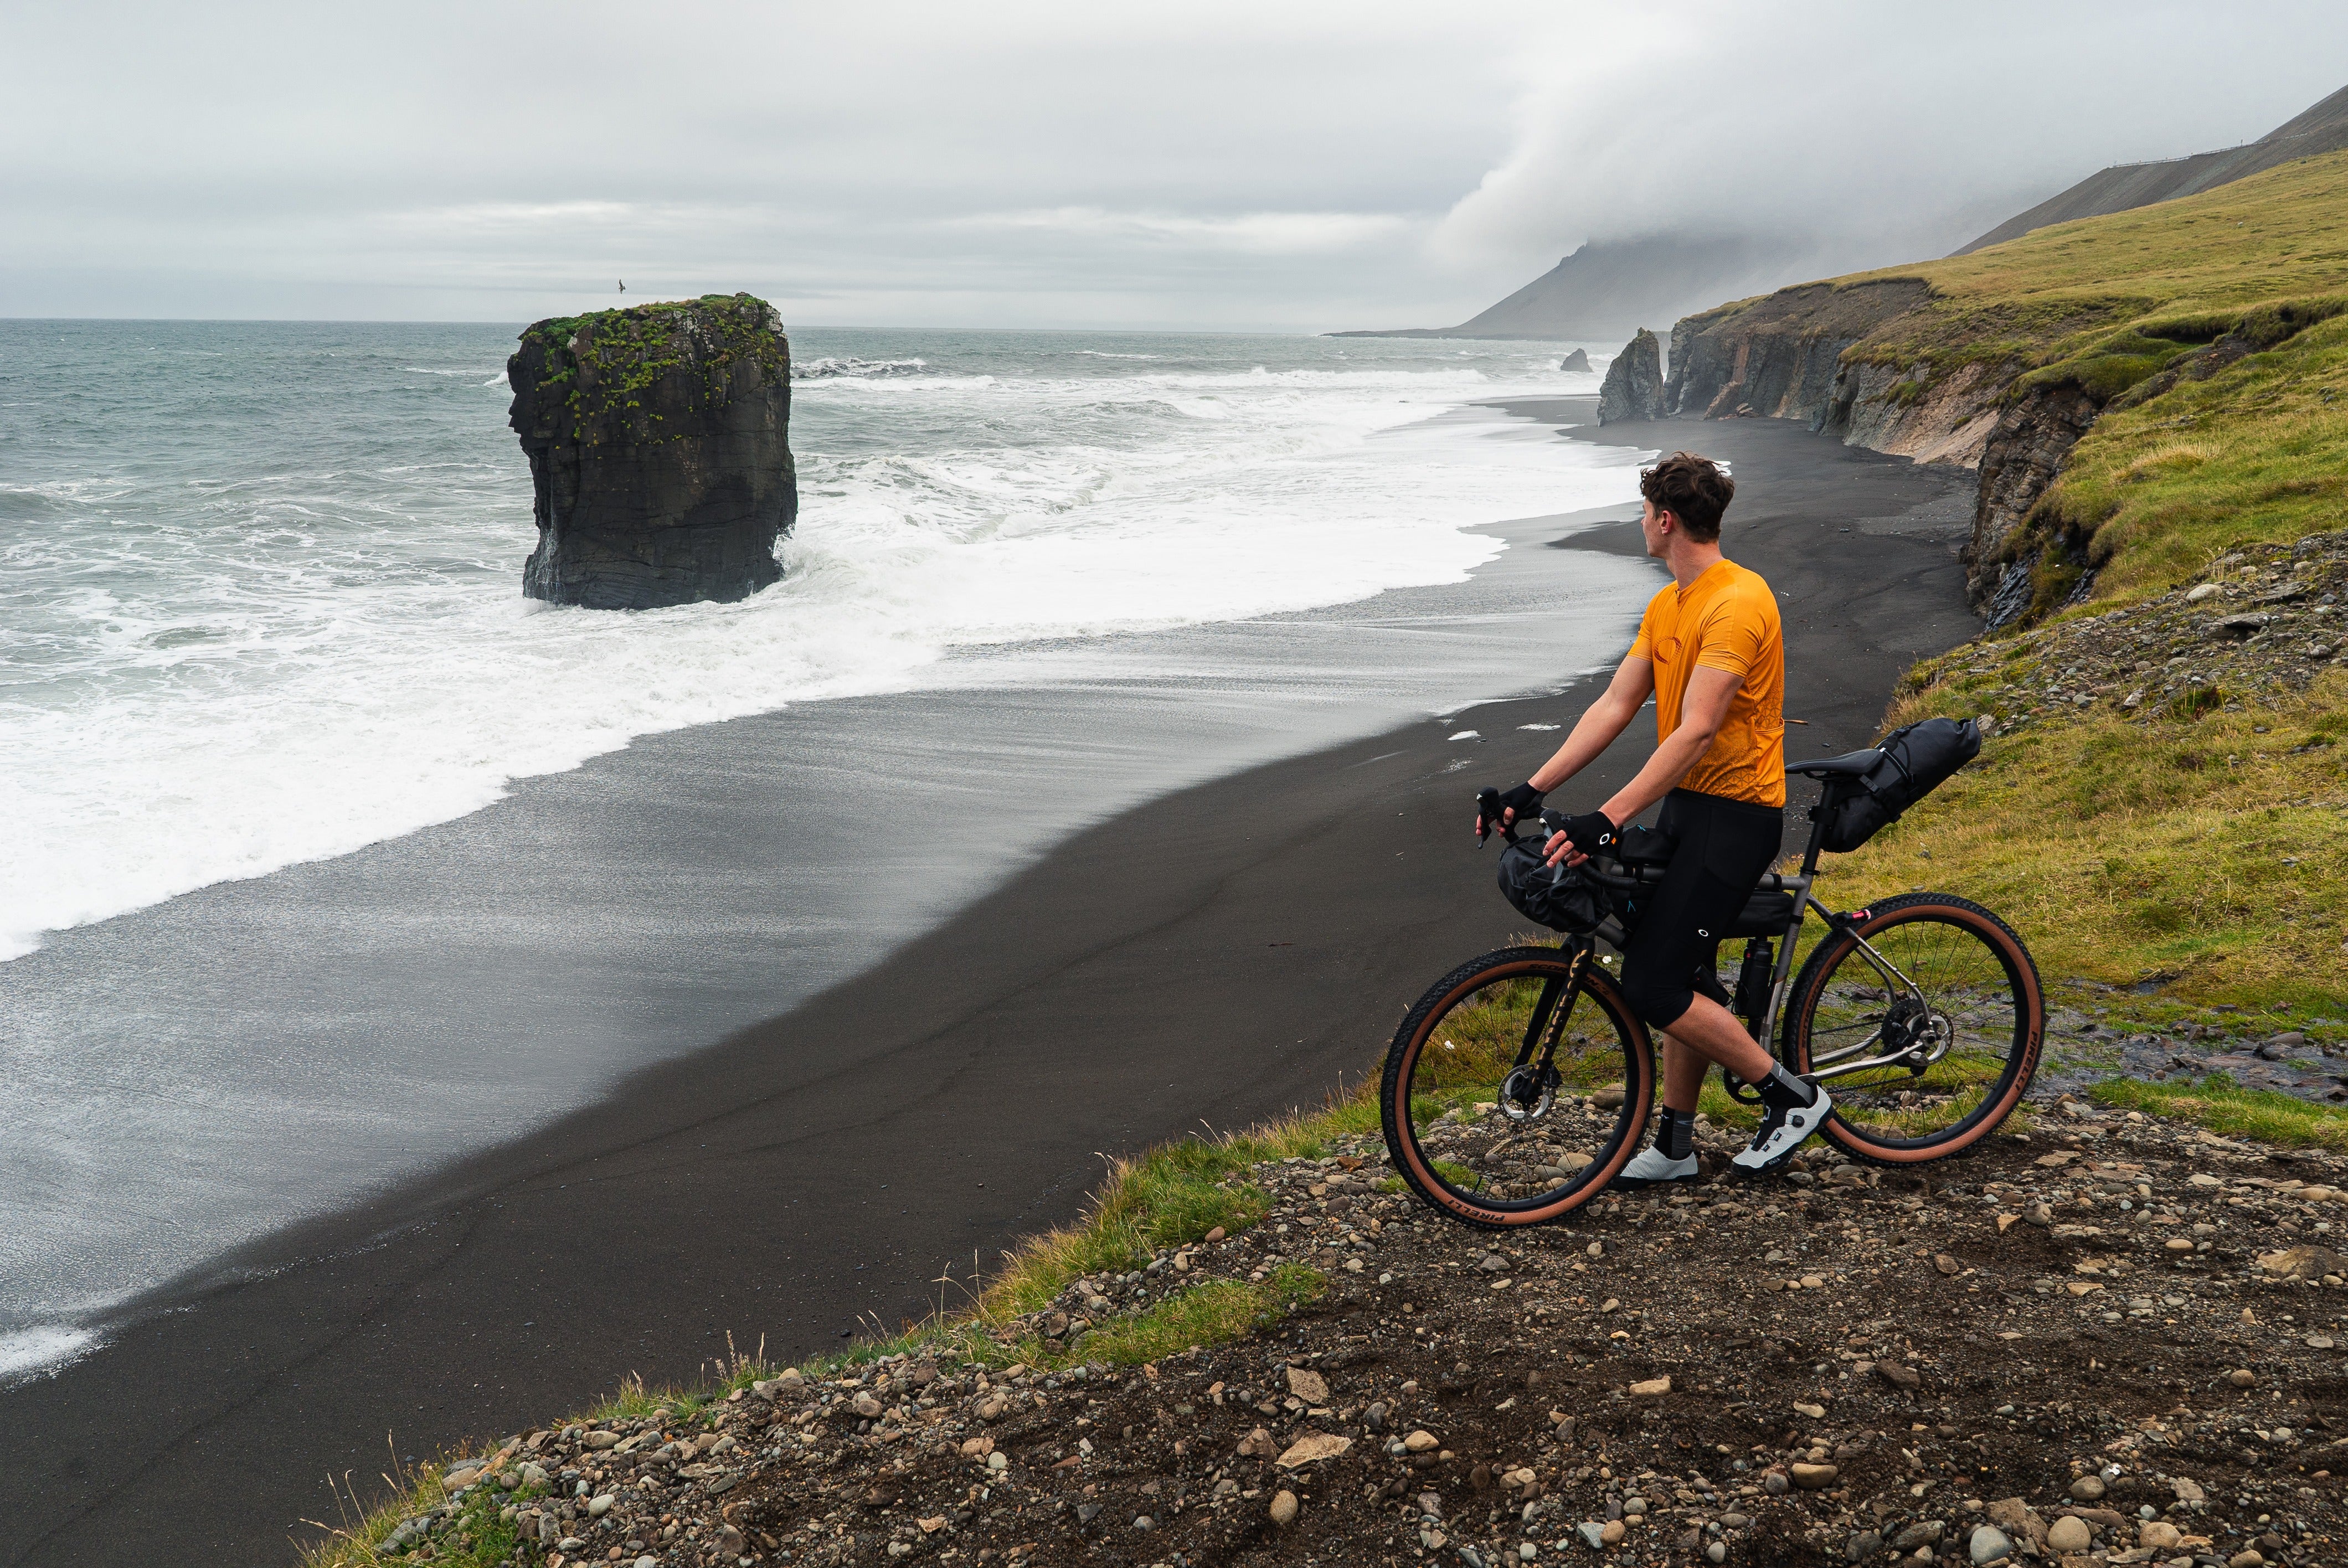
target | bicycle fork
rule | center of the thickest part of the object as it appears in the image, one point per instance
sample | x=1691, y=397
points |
x=1531, y=1088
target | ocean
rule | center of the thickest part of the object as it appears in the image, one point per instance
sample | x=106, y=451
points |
x=260, y=608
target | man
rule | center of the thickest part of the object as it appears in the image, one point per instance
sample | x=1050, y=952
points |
x=1711, y=652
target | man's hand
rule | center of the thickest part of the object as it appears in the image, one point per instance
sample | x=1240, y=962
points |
x=1499, y=808
x=1580, y=837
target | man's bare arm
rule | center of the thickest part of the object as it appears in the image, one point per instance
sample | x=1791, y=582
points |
x=1702, y=711
x=1633, y=683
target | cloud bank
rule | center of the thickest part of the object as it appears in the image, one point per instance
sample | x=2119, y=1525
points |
x=1216, y=165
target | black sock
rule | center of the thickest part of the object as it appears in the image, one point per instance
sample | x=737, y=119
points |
x=1781, y=1091
x=1675, y=1138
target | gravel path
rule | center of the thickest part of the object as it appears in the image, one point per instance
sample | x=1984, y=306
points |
x=2112, y=1340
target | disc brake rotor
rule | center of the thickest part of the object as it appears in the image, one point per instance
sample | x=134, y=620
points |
x=1527, y=1093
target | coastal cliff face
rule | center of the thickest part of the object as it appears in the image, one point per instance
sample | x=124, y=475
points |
x=1633, y=387
x=2019, y=460
x=658, y=439
x=1804, y=353
x=1777, y=357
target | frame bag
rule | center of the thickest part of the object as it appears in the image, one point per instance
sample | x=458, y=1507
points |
x=1917, y=760
x=1558, y=896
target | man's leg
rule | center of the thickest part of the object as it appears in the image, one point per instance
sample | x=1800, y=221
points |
x=1683, y=1071
x=1724, y=847
x=1707, y=1032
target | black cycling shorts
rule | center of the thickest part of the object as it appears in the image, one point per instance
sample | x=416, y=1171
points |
x=1721, y=849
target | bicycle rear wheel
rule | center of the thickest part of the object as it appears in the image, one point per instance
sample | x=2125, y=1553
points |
x=1501, y=1152
x=1924, y=1020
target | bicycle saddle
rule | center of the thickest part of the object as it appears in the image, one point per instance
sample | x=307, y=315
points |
x=1850, y=765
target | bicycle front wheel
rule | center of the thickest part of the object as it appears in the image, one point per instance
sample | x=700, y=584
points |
x=1516, y=1088
x=1924, y=1020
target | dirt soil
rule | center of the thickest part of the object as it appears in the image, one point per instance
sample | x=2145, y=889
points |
x=2108, y=1340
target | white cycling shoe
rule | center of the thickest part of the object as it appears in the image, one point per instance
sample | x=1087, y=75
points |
x=1652, y=1167
x=1782, y=1132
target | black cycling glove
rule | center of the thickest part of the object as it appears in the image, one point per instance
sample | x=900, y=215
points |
x=1523, y=799
x=1592, y=832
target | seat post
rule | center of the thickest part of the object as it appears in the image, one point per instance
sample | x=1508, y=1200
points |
x=1818, y=831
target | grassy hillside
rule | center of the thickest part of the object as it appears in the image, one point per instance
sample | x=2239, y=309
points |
x=2185, y=848
x=2198, y=450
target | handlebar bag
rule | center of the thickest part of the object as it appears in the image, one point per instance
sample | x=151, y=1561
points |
x=1558, y=897
x=1917, y=760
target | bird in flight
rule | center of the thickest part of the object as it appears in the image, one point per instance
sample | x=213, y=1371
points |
x=624, y=285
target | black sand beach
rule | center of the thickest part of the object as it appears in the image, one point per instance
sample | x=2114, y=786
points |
x=1223, y=954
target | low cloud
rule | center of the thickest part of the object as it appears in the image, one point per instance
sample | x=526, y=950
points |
x=1889, y=131
x=1223, y=165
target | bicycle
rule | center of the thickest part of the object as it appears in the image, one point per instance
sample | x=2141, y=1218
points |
x=1923, y=1011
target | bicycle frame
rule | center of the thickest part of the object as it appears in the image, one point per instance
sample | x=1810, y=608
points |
x=1847, y=1059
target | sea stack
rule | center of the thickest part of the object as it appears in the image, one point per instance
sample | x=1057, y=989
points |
x=658, y=439
x=1577, y=360
x=1633, y=387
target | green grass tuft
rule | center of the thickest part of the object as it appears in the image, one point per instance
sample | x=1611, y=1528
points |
x=2221, y=1105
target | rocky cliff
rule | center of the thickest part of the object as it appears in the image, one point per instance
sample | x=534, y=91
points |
x=658, y=439
x=1633, y=387
x=1804, y=353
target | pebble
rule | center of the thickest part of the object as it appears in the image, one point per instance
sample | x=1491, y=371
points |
x=1421, y=1442
x=1990, y=1544
x=1610, y=1533
x=2069, y=1534
x=1652, y=1388
x=598, y=1507
x=1527, y=1551
x=2252, y=1558
x=1814, y=1477
x=2087, y=1488
x=1774, y=1484
x=1863, y=1546
x=2159, y=1533
x=1716, y=1552
x=2241, y=1377
x=1594, y=1534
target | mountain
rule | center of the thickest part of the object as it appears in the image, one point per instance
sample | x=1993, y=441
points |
x=2323, y=129
x=1608, y=289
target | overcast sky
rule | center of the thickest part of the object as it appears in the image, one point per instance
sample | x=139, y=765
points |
x=1242, y=166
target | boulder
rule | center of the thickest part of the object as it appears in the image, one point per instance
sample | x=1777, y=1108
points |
x=1633, y=387
x=1577, y=360
x=658, y=439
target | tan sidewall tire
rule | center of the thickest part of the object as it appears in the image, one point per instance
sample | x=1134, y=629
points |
x=1418, y=1026
x=2030, y=998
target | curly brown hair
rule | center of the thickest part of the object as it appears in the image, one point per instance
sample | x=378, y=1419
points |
x=1697, y=490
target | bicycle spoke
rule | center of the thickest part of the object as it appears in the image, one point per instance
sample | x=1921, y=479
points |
x=1923, y=1050
x=1493, y=1086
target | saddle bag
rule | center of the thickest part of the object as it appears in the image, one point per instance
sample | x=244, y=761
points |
x=1917, y=760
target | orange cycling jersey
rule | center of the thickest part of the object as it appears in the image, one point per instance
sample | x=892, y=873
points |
x=1725, y=620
